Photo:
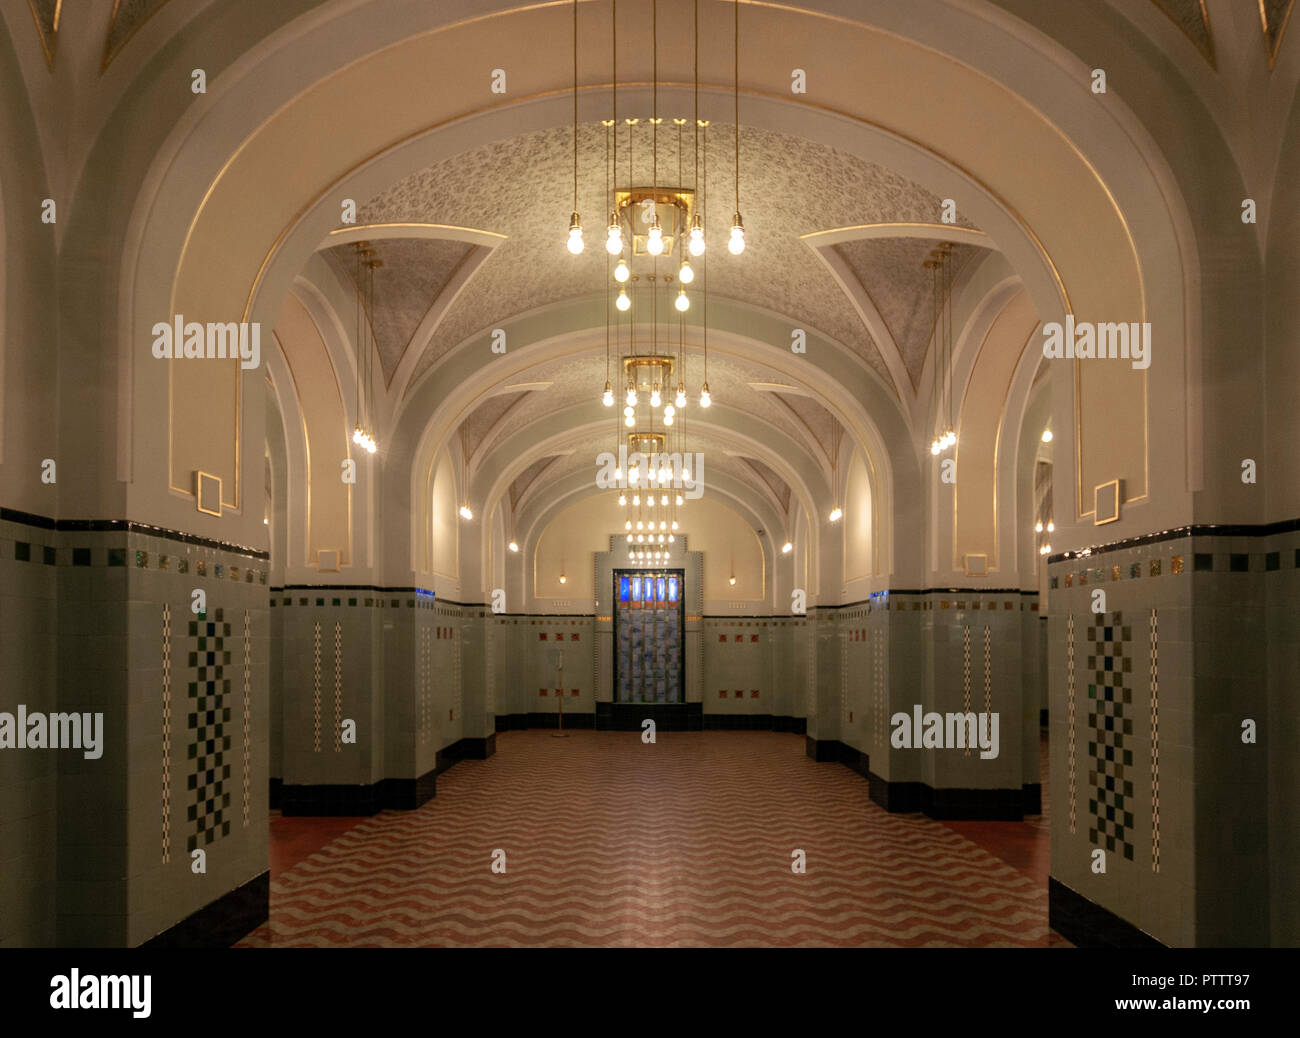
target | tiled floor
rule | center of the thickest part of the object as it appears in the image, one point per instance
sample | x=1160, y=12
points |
x=609, y=841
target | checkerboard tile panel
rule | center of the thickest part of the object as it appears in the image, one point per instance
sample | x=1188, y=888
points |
x=1109, y=669
x=207, y=723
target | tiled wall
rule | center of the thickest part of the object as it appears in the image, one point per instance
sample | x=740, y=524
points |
x=29, y=624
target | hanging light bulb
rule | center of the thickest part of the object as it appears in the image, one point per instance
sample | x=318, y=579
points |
x=629, y=411
x=663, y=524
x=629, y=421
x=640, y=525
x=622, y=500
x=1047, y=435
x=654, y=243
x=682, y=302
x=633, y=475
x=663, y=501
x=668, y=419
x=674, y=524
x=618, y=474
x=631, y=395
x=575, y=234
x=705, y=399
x=372, y=446
x=1038, y=526
x=356, y=434
x=671, y=537
x=679, y=500
x=624, y=301
x=614, y=237
x=640, y=538
x=636, y=500
x=786, y=548
x=837, y=514
x=935, y=446
x=465, y=513
x=608, y=397
x=1051, y=526
x=655, y=398
x=629, y=538
x=736, y=243
x=681, y=395
x=513, y=545
x=621, y=274
x=695, y=244
x=686, y=273
x=669, y=410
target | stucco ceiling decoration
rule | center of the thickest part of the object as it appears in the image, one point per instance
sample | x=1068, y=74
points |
x=522, y=187
x=414, y=274
x=485, y=421
x=1191, y=17
x=127, y=18
x=1274, y=15
x=528, y=477
x=47, y=14
x=822, y=426
x=780, y=489
x=890, y=272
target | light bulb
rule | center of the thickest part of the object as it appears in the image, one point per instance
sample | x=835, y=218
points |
x=668, y=419
x=636, y=500
x=614, y=236
x=705, y=399
x=671, y=537
x=356, y=434
x=655, y=398
x=679, y=500
x=786, y=548
x=696, y=243
x=669, y=411
x=682, y=302
x=631, y=396
x=563, y=579
x=607, y=398
x=686, y=273
x=736, y=243
x=629, y=421
x=513, y=545
x=621, y=274
x=622, y=500
x=1051, y=526
x=934, y=447
x=663, y=524
x=836, y=514
x=661, y=538
x=640, y=538
x=654, y=243
x=372, y=446
x=627, y=524
x=681, y=396
x=633, y=475
x=629, y=538
x=1038, y=526
x=731, y=580
x=629, y=411
x=618, y=474
x=663, y=501
x=674, y=524
x=465, y=513
x=665, y=474
x=623, y=302
x=640, y=525
x=575, y=234
x=1047, y=435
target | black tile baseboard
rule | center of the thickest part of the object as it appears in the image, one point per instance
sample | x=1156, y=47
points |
x=274, y=793
x=668, y=717
x=956, y=805
x=390, y=794
x=1087, y=925
x=221, y=923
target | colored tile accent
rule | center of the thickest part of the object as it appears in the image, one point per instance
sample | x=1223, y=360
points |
x=1112, y=823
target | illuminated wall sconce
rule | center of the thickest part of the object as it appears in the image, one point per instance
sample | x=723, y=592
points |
x=787, y=548
x=1047, y=435
x=563, y=579
x=513, y=545
x=465, y=513
x=837, y=514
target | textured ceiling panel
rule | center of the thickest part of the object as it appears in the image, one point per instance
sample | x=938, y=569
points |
x=522, y=187
x=414, y=273
x=128, y=16
x=486, y=415
x=815, y=418
x=1190, y=16
x=891, y=273
x=777, y=485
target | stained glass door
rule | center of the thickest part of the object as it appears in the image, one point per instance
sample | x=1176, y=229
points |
x=648, y=625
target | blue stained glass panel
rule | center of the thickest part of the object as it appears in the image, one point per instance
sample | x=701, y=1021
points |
x=659, y=589
x=672, y=589
x=636, y=589
x=624, y=586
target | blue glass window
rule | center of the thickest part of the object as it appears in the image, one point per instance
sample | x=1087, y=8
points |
x=659, y=589
x=672, y=589
x=624, y=586
x=636, y=589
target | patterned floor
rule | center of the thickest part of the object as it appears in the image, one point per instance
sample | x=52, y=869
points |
x=687, y=842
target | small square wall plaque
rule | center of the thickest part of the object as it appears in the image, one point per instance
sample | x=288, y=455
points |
x=977, y=564
x=1105, y=502
x=327, y=560
x=207, y=493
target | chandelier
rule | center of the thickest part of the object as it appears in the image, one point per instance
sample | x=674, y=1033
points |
x=940, y=266
x=366, y=263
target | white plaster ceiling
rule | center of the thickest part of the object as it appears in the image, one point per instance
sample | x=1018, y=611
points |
x=522, y=187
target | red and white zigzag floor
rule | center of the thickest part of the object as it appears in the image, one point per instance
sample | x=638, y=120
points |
x=687, y=842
